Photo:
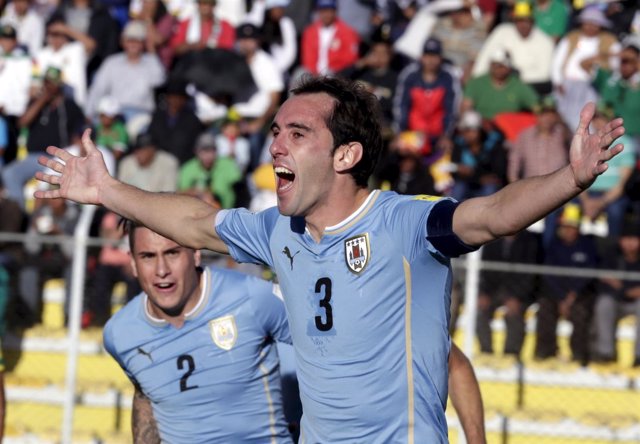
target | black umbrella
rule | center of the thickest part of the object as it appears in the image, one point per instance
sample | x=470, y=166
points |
x=222, y=74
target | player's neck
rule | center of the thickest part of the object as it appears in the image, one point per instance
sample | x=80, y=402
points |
x=334, y=211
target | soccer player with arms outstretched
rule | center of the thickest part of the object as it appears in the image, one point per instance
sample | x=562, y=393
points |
x=367, y=277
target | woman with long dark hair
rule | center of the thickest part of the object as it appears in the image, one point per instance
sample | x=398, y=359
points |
x=279, y=35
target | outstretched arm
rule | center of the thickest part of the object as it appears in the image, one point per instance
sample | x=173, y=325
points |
x=465, y=396
x=85, y=179
x=518, y=205
x=143, y=424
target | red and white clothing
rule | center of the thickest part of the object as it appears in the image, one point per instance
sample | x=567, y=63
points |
x=215, y=33
x=326, y=50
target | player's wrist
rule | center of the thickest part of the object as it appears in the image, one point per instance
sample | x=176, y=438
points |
x=107, y=191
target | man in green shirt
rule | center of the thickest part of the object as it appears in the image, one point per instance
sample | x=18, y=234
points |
x=498, y=91
x=208, y=176
x=621, y=89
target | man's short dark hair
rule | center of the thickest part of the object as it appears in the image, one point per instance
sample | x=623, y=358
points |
x=128, y=228
x=355, y=118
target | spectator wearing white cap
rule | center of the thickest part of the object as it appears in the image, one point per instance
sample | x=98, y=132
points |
x=571, y=81
x=142, y=70
x=110, y=131
x=498, y=91
x=530, y=48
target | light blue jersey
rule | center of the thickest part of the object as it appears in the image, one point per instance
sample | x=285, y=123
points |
x=368, y=309
x=216, y=379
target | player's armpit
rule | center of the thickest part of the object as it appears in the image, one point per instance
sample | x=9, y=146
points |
x=143, y=424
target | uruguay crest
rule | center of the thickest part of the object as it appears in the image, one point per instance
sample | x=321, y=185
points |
x=357, y=252
x=224, y=332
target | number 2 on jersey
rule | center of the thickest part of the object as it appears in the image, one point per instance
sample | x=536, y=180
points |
x=191, y=366
x=323, y=287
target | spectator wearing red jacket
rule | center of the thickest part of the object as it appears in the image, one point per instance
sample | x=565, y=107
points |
x=203, y=30
x=329, y=44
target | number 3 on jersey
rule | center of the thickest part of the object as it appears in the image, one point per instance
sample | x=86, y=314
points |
x=323, y=288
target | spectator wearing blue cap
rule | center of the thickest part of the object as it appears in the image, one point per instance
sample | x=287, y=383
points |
x=425, y=98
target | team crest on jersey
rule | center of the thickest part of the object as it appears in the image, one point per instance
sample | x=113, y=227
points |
x=357, y=252
x=224, y=332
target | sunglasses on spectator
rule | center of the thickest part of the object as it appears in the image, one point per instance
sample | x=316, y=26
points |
x=627, y=60
x=55, y=34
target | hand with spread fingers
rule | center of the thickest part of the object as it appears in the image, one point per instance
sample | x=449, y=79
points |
x=79, y=178
x=590, y=152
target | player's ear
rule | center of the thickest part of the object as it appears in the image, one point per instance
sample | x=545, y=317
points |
x=347, y=156
x=197, y=256
x=134, y=269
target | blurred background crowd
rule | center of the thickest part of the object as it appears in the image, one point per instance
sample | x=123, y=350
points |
x=474, y=94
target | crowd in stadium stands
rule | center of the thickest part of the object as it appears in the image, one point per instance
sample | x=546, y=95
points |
x=474, y=94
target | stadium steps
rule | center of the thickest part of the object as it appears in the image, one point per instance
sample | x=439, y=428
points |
x=36, y=361
x=560, y=401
